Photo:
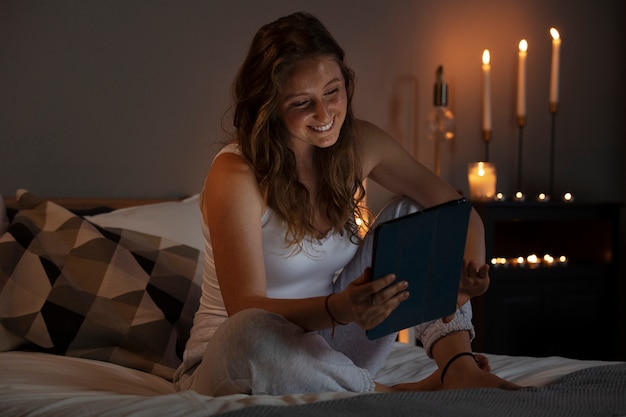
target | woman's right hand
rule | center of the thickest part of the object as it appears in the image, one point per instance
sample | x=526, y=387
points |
x=368, y=302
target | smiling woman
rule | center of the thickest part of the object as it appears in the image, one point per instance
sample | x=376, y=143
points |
x=280, y=205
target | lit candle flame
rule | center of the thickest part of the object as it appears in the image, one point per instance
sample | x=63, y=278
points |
x=486, y=57
x=481, y=169
x=523, y=46
x=554, y=33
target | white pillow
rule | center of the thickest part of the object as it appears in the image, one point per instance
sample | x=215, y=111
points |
x=179, y=221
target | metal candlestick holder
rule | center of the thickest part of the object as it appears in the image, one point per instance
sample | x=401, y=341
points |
x=487, y=139
x=554, y=108
x=521, y=121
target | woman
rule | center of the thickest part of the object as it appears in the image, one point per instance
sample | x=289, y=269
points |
x=279, y=205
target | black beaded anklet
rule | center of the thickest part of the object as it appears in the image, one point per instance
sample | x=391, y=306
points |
x=455, y=357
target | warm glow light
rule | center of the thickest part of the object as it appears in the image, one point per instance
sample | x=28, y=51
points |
x=481, y=169
x=521, y=82
x=554, y=33
x=486, y=95
x=404, y=336
x=481, y=177
x=554, y=70
x=523, y=45
x=568, y=197
x=362, y=222
x=486, y=57
x=543, y=197
x=531, y=261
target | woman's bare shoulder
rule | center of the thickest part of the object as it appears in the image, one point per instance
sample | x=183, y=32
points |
x=231, y=185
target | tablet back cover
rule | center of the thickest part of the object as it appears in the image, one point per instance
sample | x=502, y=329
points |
x=426, y=249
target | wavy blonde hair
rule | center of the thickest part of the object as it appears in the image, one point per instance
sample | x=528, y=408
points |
x=264, y=140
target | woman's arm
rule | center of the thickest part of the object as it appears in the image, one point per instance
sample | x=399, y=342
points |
x=387, y=163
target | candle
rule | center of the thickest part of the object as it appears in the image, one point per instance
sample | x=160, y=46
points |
x=486, y=91
x=481, y=177
x=554, y=73
x=543, y=197
x=521, y=79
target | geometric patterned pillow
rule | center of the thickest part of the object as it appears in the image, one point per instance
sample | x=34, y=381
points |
x=73, y=288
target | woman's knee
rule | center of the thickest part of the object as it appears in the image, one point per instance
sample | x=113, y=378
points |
x=397, y=207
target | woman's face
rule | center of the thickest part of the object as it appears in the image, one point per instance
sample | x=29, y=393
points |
x=313, y=103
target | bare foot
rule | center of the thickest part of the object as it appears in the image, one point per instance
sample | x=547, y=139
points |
x=478, y=377
x=430, y=383
x=465, y=374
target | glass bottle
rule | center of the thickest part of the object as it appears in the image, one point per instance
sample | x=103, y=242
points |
x=440, y=122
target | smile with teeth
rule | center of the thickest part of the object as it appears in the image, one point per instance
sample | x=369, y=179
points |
x=324, y=128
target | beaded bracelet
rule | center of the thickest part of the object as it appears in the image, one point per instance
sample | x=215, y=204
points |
x=334, y=320
x=455, y=357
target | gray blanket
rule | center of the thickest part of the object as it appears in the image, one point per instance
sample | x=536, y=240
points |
x=598, y=391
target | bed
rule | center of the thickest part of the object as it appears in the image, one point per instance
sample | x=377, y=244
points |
x=96, y=303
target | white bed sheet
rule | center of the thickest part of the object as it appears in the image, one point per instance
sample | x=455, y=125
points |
x=37, y=384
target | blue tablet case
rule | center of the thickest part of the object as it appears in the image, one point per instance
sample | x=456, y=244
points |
x=426, y=249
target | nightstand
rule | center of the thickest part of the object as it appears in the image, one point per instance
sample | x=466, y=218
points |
x=566, y=306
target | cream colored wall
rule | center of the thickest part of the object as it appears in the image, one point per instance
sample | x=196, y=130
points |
x=125, y=98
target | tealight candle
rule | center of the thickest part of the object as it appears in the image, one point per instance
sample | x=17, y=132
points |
x=548, y=259
x=543, y=197
x=533, y=260
x=482, y=181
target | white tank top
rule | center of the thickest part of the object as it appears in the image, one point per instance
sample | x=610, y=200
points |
x=307, y=273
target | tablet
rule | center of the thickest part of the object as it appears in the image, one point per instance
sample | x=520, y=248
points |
x=426, y=249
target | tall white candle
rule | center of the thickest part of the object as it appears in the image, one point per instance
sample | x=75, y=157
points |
x=554, y=73
x=521, y=79
x=486, y=91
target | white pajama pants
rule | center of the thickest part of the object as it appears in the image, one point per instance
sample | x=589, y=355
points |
x=257, y=352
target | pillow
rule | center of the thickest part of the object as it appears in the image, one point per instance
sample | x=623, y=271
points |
x=9, y=340
x=179, y=221
x=4, y=218
x=73, y=288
